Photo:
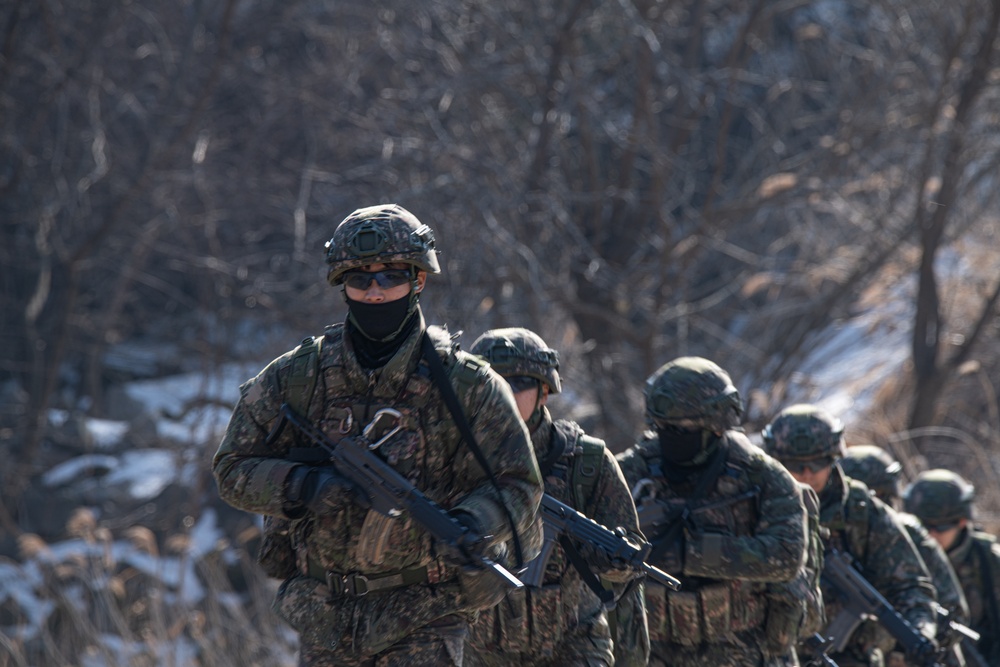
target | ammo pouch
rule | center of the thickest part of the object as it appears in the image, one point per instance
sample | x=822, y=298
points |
x=709, y=614
x=276, y=556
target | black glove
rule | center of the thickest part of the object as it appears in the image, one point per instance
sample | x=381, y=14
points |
x=322, y=490
x=472, y=543
x=599, y=558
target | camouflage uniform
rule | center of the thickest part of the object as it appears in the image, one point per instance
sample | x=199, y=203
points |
x=940, y=498
x=723, y=516
x=563, y=622
x=876, y=468
x=419, y=601
x=858, y=524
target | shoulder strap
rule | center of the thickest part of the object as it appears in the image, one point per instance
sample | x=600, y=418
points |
x=587, y=465
x=440, y=377
x=303, y=371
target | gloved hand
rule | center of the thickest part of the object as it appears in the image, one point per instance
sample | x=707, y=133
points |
x=322, y=490
x=473, y=543
x=599, y=558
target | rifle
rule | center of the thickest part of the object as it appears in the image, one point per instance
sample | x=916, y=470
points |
x=391, y=494
x=561, y=521
x=820, y=647
x=861, y=602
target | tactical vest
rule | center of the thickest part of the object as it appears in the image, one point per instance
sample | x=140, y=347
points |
x=705, y=610
x=342, y=412
x=535, y=623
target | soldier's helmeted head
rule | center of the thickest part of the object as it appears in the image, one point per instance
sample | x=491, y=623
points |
x=381, y=234
x=939, y=498
x=518, y=352
x=804, y=432
x=387, y=246
x=808, y=441
x=526, y=362
x=876, y=468
x=689, y=402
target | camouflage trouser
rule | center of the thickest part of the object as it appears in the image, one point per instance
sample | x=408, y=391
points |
x=439, y=646
x=742, y=651
x=409, y=626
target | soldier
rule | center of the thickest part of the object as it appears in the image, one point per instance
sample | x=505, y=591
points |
x=563, y=622
x=881, y=473
x=369, y=589
x=942, y=500
x=722, y=516
x=809, y=442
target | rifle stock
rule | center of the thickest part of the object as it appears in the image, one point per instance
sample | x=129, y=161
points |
x=390, y=493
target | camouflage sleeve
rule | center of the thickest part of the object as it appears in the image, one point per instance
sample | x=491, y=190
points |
x=633, y=466
x=505, y=443
x=943, y=577
x=894, y=567
x=250, y=475
x=773, y=551
x=612, y=506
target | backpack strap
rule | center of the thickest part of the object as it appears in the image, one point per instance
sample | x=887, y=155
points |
x=443, y=382
x=587, y=466
x=302, y=373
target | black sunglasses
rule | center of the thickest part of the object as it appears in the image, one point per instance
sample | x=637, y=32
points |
x=813, y=466
x=386, y=279
x=942, y=527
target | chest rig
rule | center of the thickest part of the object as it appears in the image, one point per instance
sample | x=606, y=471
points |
x=341, y=401
x=721, y=500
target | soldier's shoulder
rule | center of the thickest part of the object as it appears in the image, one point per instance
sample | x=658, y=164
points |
x=637, y=458
x=989, y=541
x=744, y=455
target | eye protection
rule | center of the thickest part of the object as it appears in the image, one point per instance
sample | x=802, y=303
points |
x=813, y=466
x=389, y=278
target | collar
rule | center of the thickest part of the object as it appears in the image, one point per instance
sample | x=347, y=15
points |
x=389, y=380
x=543, y=438
x=961, y=550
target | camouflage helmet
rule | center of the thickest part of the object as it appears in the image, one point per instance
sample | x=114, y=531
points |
x=876, y=468
x=803, y=432
x=516, y=351
x=696, y=389
x=939, y=497
x=380, y=234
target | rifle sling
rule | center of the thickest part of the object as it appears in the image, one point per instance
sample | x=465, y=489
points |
x=440, y=377
x=593, y=582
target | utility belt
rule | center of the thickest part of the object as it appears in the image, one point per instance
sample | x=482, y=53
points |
x=710, y=614
x=356, y=585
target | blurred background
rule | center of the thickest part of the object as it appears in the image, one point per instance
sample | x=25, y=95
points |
x=804, y=191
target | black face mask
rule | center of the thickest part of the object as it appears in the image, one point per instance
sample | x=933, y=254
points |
x=377, y=321
x=681, y=446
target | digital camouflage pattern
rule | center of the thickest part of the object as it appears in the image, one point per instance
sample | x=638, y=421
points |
x=746, y=532
x=803, y=432
x=563, y=622
x=939, y=497
x=795, y=608
x=428, y=450
x=381, y=234
x=517, y=351
x=695, y=389
x=876, y=467
x=947, y=587
x=881, y=473
x=863, y=526
x=976, y=559
x=942, y=498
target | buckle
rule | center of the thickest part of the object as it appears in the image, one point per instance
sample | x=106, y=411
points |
x=348, y=585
